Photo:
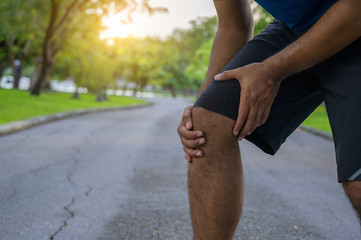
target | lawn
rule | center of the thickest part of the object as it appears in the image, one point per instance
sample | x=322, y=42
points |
x=16, y=104
x=319, y=120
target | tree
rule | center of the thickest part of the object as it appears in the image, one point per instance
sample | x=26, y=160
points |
x=84, y=57
x=2, y=56
x=197, y=69
x=179, y=52
x=21, y=24
x=64, y=14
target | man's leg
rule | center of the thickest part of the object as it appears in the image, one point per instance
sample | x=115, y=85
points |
x=353, y=191
x=215, y=181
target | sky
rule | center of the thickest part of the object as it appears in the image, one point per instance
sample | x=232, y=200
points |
x=180, y=12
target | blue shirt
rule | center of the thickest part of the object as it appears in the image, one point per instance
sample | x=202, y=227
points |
x=297, y=14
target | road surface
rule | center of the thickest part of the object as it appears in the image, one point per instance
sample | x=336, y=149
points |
x=122, y=175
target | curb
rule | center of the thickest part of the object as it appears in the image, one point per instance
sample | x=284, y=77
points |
x=316, y=132
x=20, y=125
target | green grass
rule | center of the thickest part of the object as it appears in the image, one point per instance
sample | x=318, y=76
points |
x=319, y=120
x=16, y=104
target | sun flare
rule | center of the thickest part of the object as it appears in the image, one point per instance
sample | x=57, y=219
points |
x=116, y=26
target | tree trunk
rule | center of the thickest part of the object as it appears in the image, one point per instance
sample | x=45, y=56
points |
x=135, y=90
x=2, y=68
x=100, y=96
x=16, y=74
x=124, y=88
x=36, y=73
x=76, y=94
x=40, y=80
x=105, y=96
x=47, y=54
x=46, y=64
x=172, y=90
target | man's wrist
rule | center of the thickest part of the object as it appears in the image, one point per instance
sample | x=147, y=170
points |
x=278, y=68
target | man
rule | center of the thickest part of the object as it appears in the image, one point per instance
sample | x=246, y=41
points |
x=266, y=88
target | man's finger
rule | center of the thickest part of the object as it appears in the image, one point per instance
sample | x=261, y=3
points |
x=265, y=115
x=187, y=117
x=188, y=134
x=242, y=115
x=249, y=123
x=259, y=119
x=188, y=158
x=258, y=122
x=193, y=143
x=226, y=75
x=192, y=152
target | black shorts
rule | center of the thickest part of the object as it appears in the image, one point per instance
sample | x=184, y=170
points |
x=337, y=81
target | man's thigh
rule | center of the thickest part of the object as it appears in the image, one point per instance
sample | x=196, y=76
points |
x=340, y=79
x=298, y=96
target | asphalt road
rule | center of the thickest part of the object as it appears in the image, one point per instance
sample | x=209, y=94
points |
x=122, y=175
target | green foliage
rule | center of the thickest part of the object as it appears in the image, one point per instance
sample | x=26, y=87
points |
x=188, y=54
x=197, y=69
x=177, y=64
x=319, y=120
x=48, y=103
x=84, y=57
x=21, y=20
x=22, y=26
x=49, y=25
x=262, y=18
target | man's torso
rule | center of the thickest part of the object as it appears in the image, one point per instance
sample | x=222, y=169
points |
x=297, y=14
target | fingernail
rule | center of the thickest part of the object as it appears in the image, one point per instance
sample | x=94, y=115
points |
x=217, y=77
x=199, y=154
x=188, y=125
x=240, y=139
x=235, y=133
x=202, y=141
x=199, y=134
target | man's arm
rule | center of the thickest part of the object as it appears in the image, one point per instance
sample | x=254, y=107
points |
x=235, y=29
x=335, y=30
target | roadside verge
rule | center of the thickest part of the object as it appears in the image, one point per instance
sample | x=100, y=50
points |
x=316, y=132
x=16, y=126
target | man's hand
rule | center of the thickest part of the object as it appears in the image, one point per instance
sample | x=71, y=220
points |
x=190, y=139
x=258, y=90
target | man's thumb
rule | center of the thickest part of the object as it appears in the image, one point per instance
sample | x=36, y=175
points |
x=226, y=75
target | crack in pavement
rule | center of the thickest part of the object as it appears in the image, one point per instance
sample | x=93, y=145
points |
x=87, y=138
x=53, y=132
x=75, y=164
x=89, y=190
x=70, y=180
x=65, y=222
x=16, y=144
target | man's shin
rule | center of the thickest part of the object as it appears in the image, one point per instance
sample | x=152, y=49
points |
x=215, y=181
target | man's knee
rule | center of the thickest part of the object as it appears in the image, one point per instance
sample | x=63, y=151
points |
x=221, y=151
x=217, y=128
